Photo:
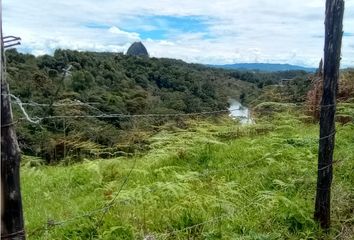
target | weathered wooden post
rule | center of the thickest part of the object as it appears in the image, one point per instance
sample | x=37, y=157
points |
x=332, y=52
x=12, y=226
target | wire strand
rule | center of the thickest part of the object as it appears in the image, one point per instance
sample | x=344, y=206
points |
x=27, y=117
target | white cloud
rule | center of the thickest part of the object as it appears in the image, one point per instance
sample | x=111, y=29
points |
x=239, y=30
x=123, y=34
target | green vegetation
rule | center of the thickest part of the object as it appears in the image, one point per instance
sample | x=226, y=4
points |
x=211, y=179
x=195, y=177
x=114, y=83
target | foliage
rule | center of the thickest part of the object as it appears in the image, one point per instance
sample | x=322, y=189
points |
x=345, y=93
x=262, y=79
x=119, y=84
x=195, y=183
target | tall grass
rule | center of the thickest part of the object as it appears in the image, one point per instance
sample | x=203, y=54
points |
x=214, y=180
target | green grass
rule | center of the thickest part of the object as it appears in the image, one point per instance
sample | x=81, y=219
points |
x=214, y=180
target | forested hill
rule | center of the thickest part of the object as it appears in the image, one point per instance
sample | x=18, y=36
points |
x=119, y=84
x=265, y=67
x=131, y=85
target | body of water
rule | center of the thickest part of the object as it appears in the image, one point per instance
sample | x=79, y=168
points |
x=240, y=112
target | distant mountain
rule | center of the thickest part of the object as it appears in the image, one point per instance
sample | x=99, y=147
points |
x=137, y=49
x=265, y=67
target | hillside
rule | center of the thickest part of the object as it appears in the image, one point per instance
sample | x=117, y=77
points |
x=100, y=84
x=118, y=153
x=213, y=179
x=114, y=127
x=266, y=67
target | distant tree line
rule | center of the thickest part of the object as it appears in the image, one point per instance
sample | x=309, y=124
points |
x=116, y=83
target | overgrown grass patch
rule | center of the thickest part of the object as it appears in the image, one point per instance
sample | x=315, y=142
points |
x=194, y=184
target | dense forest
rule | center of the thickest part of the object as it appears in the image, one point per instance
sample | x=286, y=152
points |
x=113, y=83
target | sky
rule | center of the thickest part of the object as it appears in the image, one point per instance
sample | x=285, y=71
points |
x=199, y=31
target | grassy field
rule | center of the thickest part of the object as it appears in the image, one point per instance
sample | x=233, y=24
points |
x=214, y=179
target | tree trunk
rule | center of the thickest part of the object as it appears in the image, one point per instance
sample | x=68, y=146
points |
x=12, y=226
x=12, y=216
x=332, y=51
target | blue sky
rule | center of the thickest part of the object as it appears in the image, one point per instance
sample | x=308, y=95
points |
x=203, y=31
x=160, y=27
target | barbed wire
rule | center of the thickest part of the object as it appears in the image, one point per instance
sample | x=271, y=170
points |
x=108, y=206
x=223, y=216
x=103, y=210
x=120, y=115
x=211, y=220
x=71, y=103
x=15, y=235
x=218, y=218
x=64, y=103
x=27, y=117
x=37, y=120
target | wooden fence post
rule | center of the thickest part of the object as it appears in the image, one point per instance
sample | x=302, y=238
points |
x=332, y=52
x=12, y=226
